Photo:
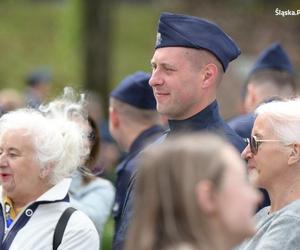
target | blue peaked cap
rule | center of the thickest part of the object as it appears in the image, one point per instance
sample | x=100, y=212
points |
x=273, y=57
x=192, y=32
x=136, y=91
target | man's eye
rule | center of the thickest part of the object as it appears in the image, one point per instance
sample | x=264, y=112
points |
x=170, y=69
x=12, y=155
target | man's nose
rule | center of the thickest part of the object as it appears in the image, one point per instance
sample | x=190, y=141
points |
x=155, y=78
x=3, y=160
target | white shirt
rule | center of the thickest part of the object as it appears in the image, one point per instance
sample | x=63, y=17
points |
x=37, y=234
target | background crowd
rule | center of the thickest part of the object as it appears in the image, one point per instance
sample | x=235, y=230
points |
x=154, y=156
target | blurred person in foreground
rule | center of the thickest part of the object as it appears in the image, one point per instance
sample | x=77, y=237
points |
x=90, y=194
x=271, y=77
x=134, y=123
x=192, y=193
x=273, y=160
x=37, y=154
x=190, y=58
x=38, y=86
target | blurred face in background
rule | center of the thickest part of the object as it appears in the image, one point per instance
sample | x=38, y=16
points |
x=237, y=199
x=87, y=131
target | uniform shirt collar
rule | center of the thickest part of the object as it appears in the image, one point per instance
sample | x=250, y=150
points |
x=201, y=120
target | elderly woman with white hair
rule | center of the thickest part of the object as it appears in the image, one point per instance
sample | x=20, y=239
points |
x=36, y=155
x=273, y=160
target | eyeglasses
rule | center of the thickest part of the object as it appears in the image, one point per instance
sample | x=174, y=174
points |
x=91, y=136
x=254, y=143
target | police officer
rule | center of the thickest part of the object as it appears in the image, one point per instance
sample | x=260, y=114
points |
x=133, y=123
x=271, y=77
x=190, y=58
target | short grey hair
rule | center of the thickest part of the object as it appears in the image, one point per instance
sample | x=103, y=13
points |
x=59, y=142
x=284, y=117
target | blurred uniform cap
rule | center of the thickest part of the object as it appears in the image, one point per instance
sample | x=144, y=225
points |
x=273, y=57
x=188, y=31
x=136, y=91
x=39, y=76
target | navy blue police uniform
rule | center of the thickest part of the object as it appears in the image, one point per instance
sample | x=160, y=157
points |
x=135, y=91
x=192, y=32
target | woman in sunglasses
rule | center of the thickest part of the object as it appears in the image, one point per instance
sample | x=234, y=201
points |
x=273, y=160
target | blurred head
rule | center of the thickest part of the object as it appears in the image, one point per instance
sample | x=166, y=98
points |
x=274, y=155
x=94, y=141
x=191, y=55
x=132, y=109
x=10, y=99
x=271, y=75
x=36, y=152
x=266, y=84
x=192, y=189
x=39, y=82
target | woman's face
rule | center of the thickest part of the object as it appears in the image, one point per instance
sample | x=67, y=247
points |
x=237, y=200
x=20, y=172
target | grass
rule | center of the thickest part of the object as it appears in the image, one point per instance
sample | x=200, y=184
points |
x=108, y=234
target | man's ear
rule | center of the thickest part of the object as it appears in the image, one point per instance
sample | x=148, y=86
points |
x=205, y=196
x=113, y=117
x=251, y=98
x=210, y=72
x=294, y=155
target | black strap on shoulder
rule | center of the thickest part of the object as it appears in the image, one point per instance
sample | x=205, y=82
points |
x=61, y=226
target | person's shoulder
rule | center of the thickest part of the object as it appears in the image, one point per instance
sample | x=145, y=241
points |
x=103, y=184
x=241, y=120
x=79, y=221
x=80, y=233
x=242, y=124
x=291, y=210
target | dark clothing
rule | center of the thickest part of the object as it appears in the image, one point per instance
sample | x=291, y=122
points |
x=207, y=120
x=128, y=166
x=242, y=124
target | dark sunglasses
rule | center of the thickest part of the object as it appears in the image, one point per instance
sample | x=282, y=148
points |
x=254, y=143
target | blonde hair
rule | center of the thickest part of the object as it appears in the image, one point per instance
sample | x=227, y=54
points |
x=166, y=211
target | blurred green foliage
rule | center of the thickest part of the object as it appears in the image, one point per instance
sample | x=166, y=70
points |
x=49, y=33
x=107, y=235
x=39, y=34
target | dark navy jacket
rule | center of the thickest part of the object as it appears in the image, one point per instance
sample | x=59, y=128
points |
x=128, y=166
x=208, y=119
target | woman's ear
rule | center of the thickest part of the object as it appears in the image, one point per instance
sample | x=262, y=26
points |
x=46, y=170
x=205, y=196
x=294, y=155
